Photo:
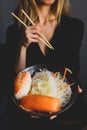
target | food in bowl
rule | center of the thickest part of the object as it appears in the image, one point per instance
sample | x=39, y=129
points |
x=48, y=90
x=40, y=103
x=22, y=84
x=51, y=84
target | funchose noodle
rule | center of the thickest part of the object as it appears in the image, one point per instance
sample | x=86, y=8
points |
x=49, y=86
x=44, y=83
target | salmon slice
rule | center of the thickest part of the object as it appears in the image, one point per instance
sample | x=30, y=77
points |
x=40, y=103
x=22, y=84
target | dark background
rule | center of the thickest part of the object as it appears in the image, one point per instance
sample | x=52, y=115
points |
x=78, y=10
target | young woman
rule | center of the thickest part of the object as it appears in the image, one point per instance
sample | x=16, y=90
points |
x=52, y=19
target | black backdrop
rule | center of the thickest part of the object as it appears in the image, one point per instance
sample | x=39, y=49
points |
x=78, y=9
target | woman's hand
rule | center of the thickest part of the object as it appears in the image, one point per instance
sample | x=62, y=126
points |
x=79, y=89
x=32, y=33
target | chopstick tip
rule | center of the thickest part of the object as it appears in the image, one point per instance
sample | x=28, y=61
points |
x=12, y=13
x=52, y=48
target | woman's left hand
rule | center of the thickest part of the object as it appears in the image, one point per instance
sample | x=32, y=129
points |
x=79, y=89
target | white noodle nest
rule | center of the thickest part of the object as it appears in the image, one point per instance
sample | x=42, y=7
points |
x=43, y=83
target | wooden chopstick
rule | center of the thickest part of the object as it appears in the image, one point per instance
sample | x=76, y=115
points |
x=19, y=19
x=34, y=24
x=26, y=25
x=28, y=17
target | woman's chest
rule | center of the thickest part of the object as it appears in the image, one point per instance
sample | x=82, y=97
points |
x=48, y=30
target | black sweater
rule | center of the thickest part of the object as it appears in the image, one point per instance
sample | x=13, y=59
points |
x=66, y=41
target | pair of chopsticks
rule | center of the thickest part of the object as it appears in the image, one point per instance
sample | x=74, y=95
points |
x=42, y=38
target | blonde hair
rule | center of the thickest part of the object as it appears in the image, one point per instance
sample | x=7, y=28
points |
x=31, y=8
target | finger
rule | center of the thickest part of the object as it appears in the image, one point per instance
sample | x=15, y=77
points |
x=31, y=32
x=36, y=31
x=35, y=36
x=79, y=89
x=32, y=37
x=52, y=117
x=29, y=27
x=33, y=40
x=33, y=27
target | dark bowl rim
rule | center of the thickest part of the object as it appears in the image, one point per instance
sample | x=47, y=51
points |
x=41, y=114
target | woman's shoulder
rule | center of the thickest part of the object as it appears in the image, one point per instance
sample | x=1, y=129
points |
x=72, y=22
x=73, y=26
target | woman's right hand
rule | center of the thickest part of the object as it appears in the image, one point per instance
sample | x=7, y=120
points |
x=32, y=33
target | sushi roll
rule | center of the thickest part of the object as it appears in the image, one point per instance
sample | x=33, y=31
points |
x=22, y=84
